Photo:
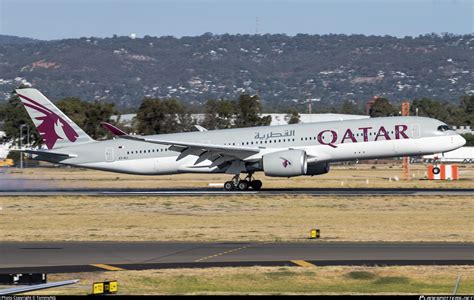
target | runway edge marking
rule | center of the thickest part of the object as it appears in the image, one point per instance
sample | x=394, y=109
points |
x=107, y=267
x=303, y=263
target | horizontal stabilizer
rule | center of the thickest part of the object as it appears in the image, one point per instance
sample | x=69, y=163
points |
x=46, y=153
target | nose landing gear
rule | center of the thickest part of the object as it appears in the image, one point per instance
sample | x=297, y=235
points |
x=243, y=184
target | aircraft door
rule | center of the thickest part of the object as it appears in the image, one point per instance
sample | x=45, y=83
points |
x=415, y=131
x=109, y=154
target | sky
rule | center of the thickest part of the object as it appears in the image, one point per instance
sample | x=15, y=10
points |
x=57, y=19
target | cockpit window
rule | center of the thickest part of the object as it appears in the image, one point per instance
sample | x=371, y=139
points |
x=443, y=128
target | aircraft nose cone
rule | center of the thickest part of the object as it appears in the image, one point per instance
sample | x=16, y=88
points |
x=459, y=140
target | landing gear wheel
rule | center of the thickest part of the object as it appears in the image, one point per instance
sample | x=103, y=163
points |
x=256, y=184
x=243, y=185
x=229, y=186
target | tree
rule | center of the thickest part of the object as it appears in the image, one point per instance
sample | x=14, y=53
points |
x=219, y=114
x=98, y=112
x=350, y=108
x=442, y=111
x=467, y=105
x=248, y=112
x=469, y=139
x=3, y=108
x=75, y=109
x=88, y=115
x=293, y=117
x=15, y=116
x=382, y=108
x=163, y=116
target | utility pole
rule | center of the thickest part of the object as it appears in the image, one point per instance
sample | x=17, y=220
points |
x=27, y=140
x=21, y=140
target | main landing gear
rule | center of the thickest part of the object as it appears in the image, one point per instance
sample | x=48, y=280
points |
x=243, y=184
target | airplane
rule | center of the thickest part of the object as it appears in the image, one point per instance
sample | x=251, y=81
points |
x=36, y=287
x=281, y=151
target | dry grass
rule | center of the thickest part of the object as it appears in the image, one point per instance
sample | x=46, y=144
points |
x=279, y=280
x=340, y=176
x=250, y=218
x=234, y=218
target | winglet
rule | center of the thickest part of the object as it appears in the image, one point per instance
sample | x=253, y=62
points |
x=113, y=129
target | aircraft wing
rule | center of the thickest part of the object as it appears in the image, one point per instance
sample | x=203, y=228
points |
x=30, y=288
x=218, y=154
x=200, y=128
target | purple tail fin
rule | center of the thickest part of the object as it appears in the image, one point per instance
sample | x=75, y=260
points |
x=56, y=129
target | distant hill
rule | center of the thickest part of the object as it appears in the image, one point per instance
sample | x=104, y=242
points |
x=10, y=39
x=284, y=70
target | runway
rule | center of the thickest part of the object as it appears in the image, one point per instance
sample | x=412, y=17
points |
x=219, y=192
x=65, y=257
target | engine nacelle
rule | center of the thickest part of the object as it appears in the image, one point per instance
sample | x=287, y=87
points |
x=318, y=168
x=286, y=163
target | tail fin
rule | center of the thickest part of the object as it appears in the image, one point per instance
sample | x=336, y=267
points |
x=56, y=129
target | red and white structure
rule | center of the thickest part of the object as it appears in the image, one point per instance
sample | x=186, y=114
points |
x=443, y=172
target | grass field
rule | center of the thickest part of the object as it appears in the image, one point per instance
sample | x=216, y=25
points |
x=248, y=218
x=363, y=175
x=234, y=218
x=279, y=280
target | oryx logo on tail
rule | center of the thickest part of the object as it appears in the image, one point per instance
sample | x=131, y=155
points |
x=50, y=126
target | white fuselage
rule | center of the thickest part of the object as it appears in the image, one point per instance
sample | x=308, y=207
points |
x=322, y=142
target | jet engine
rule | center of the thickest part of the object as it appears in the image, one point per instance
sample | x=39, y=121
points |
x=317, y=168
x=287, y=163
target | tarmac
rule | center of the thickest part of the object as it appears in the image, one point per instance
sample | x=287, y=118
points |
x=219, y=192
x=66, y=257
